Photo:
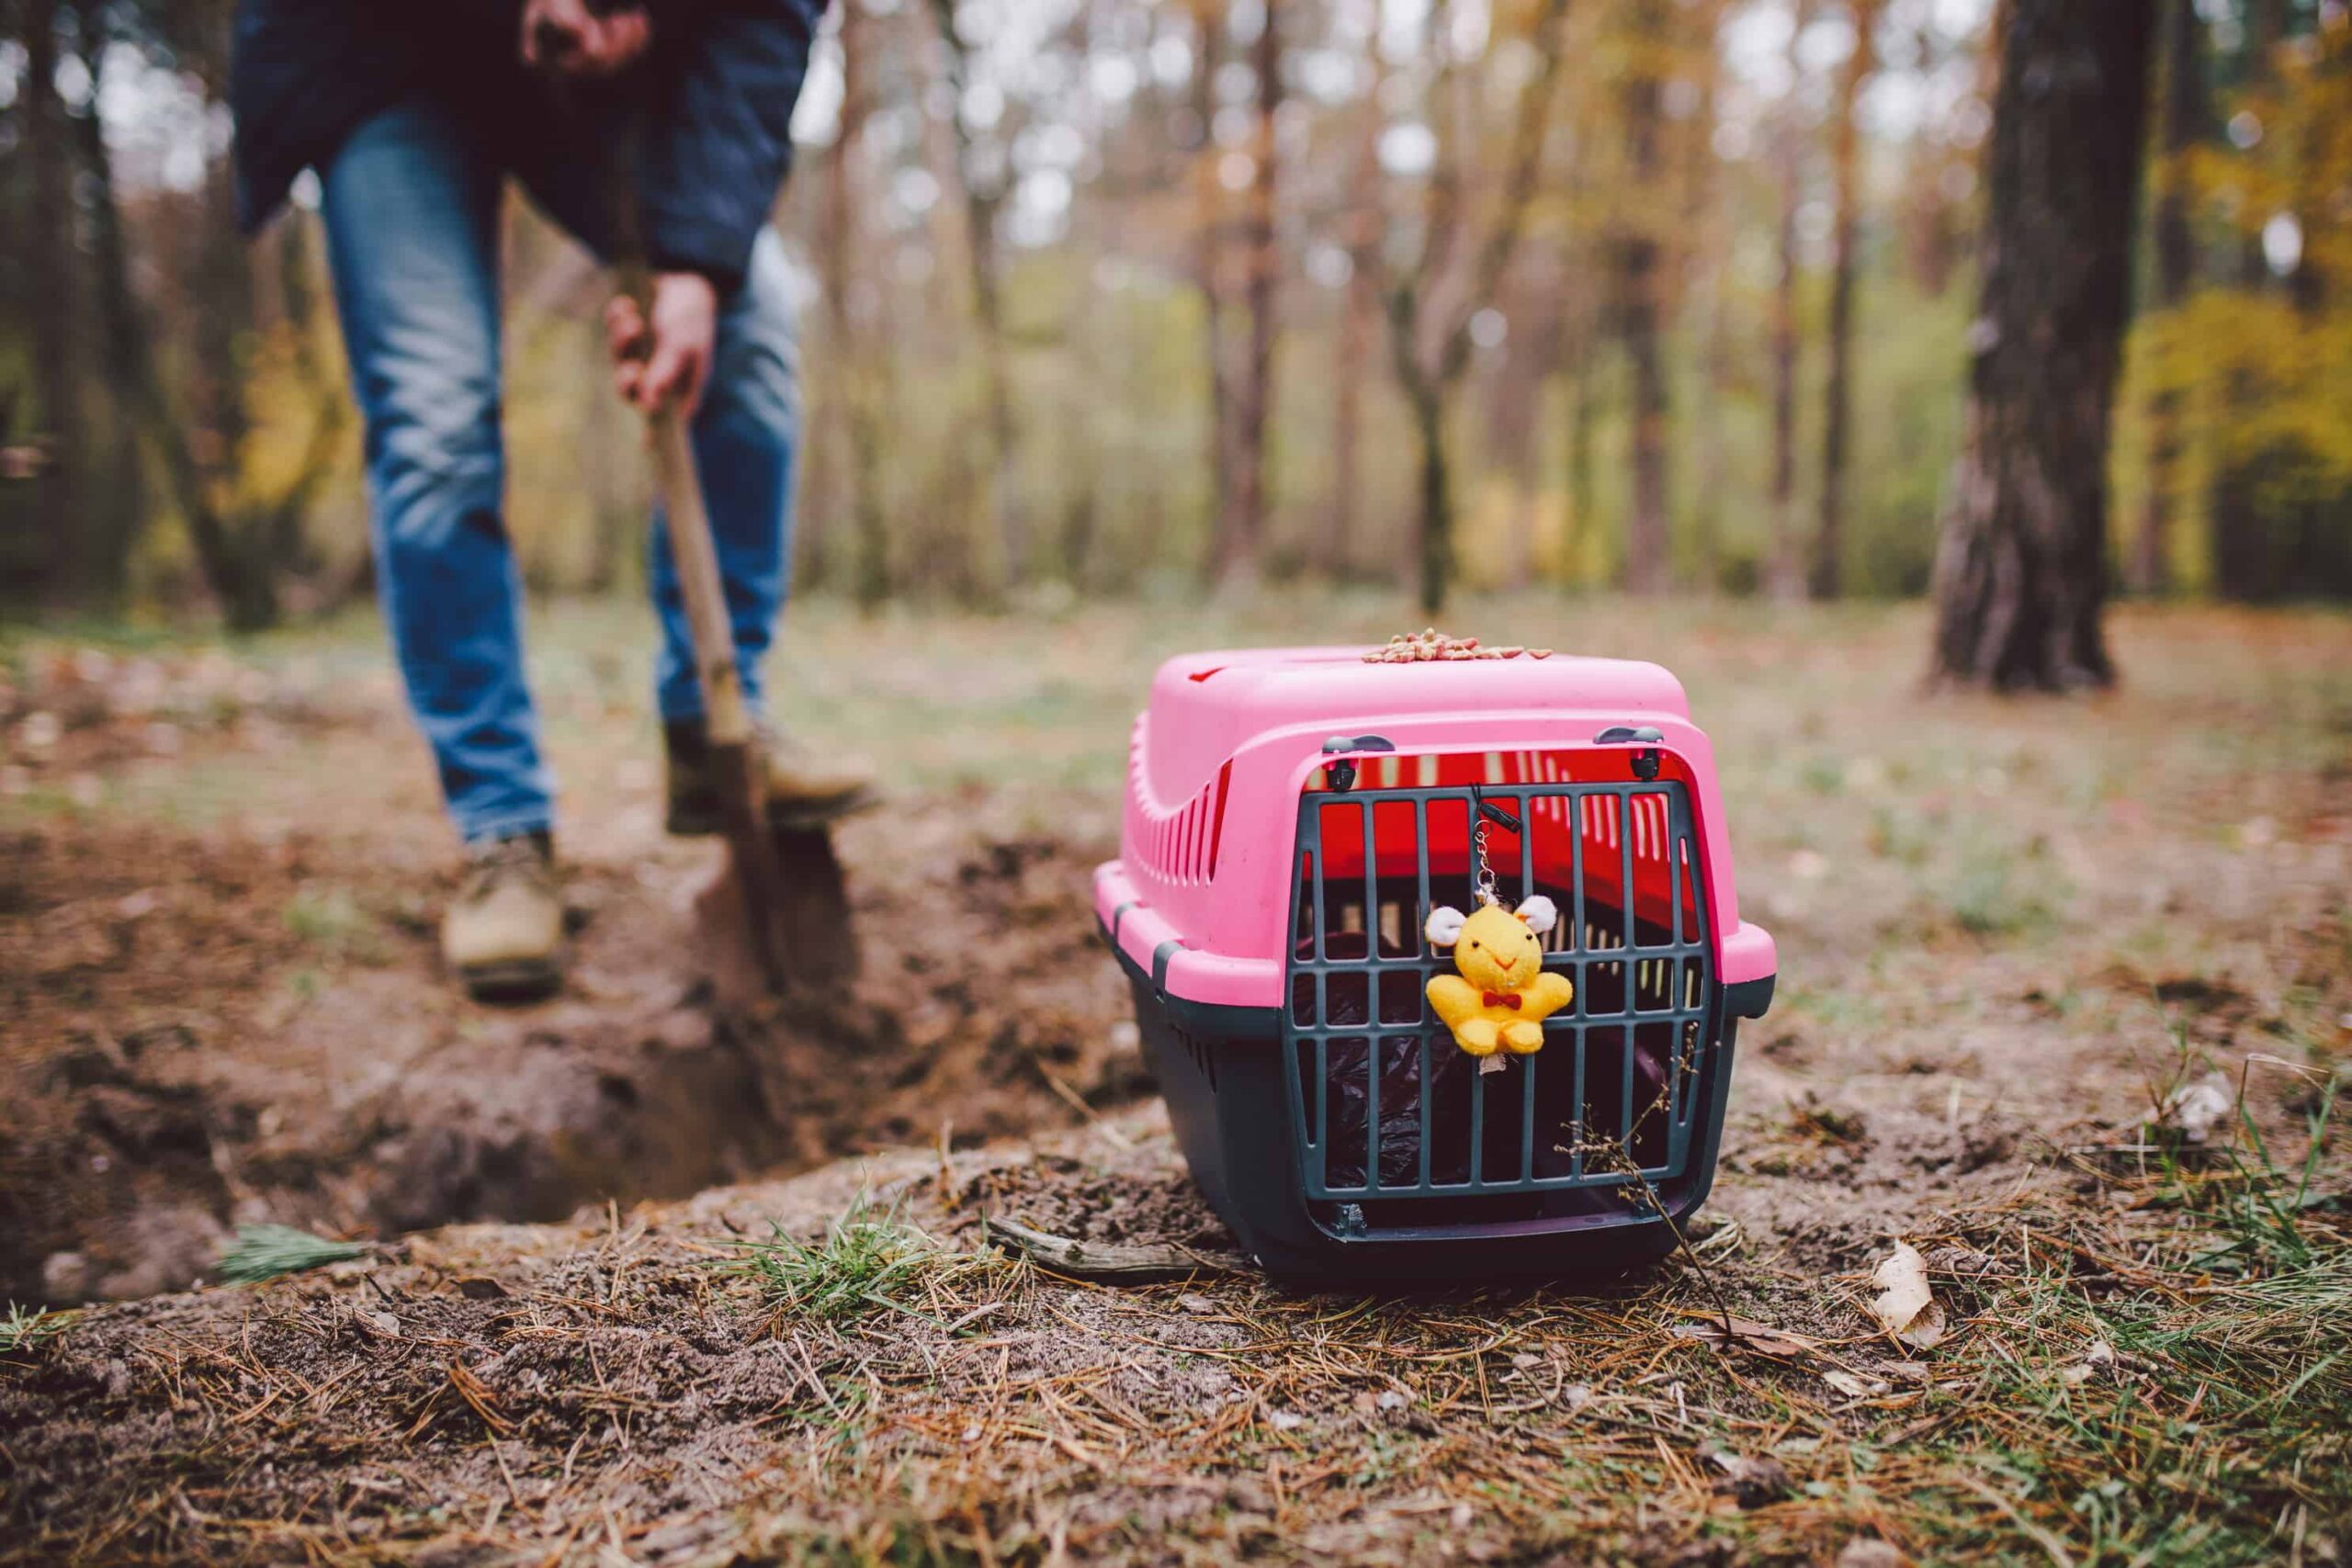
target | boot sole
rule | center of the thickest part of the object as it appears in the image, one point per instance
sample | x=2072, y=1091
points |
x=687, y=823
x=513, y=979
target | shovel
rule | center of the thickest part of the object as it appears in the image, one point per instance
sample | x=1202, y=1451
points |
x=780, y=904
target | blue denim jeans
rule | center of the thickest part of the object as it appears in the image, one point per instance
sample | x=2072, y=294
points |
x=411, y=204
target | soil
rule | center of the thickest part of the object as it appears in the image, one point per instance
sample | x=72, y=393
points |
x=222, y=1025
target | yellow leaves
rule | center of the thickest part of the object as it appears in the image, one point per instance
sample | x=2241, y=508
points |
x=2256, y=374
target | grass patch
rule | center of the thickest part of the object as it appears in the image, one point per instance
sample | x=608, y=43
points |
x=869, y=1260
x=264, y=1252
x=330, y=920
x=21, y=1331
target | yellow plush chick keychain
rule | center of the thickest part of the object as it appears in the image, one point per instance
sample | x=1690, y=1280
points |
x=1503, y=995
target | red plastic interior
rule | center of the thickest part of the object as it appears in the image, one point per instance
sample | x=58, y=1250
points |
x=1554, y=824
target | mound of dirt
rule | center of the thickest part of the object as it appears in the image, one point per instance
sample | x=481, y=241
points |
x=211, y=1029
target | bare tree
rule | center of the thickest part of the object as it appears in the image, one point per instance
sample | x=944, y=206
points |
x=247, y=542
x=1241, y=528
x=1707, y=221
x=1636, y=276
x=1359, y=312
x=2179, y=127
x=1785, y=571
x=1430, y=306
x=52, y=271
x=1828, y=577
x=1209, y=248
x=980, y=174
x=856, y=365
x=2020, y=574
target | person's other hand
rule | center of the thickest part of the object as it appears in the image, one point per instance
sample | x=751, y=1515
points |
x=568, y=37
x=668, y=362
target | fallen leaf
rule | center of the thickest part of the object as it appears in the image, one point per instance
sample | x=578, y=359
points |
x=2194, y=1110
x=1905, y=1306
x=2097, y=1360
x=1853, y=1385
x=1751, y=1482
x=1761, y=1337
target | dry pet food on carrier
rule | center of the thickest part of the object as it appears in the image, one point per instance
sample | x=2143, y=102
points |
x=1420, y=647
x=1302, y=826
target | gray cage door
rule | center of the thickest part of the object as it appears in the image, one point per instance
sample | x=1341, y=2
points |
x=1384, y=1105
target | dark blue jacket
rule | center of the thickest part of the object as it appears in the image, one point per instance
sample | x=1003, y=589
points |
x=712, y=104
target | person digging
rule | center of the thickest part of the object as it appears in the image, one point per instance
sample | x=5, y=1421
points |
x=414, y=119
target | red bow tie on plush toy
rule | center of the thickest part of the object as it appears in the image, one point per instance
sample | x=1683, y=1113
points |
x=1503, y=1000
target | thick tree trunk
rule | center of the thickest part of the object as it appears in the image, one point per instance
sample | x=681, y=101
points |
x=1637, y=274
x=2021, y=565
x=2176, y=247
x=1242, y=527
x=1826, y=579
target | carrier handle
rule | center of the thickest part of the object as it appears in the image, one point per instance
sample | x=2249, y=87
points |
x=1625, y=734
x=1343, y=774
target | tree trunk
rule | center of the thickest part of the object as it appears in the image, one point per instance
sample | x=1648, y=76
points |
x=51, y=269
x=2021, y=565
x=1436, y=495
x=1243, y=526
x=2175, y=246
x=1584, y=397
x=1358, y=311
x=1708, y=223
x=1346, y=423
x=2239, y=523
x=1786, y=574
x=1636, y=272
x=858, y=440
x=983, y=194
x=1208, y=273
x=1827, y=576
x=113, y=505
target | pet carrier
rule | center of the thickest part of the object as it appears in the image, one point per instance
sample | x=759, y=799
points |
x=1295, y=817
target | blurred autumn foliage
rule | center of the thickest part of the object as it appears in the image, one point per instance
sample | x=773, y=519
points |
x=1115, y=296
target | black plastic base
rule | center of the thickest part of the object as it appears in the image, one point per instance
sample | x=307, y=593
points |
x=1220, y=1071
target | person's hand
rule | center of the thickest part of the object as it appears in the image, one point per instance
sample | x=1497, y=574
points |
x=570, y=38
x=666, y=361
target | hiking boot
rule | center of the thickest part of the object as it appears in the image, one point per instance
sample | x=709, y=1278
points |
x=805, y=789
x=503, y=935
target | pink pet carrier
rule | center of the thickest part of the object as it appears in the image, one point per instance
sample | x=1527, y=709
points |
x=1293, y=818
